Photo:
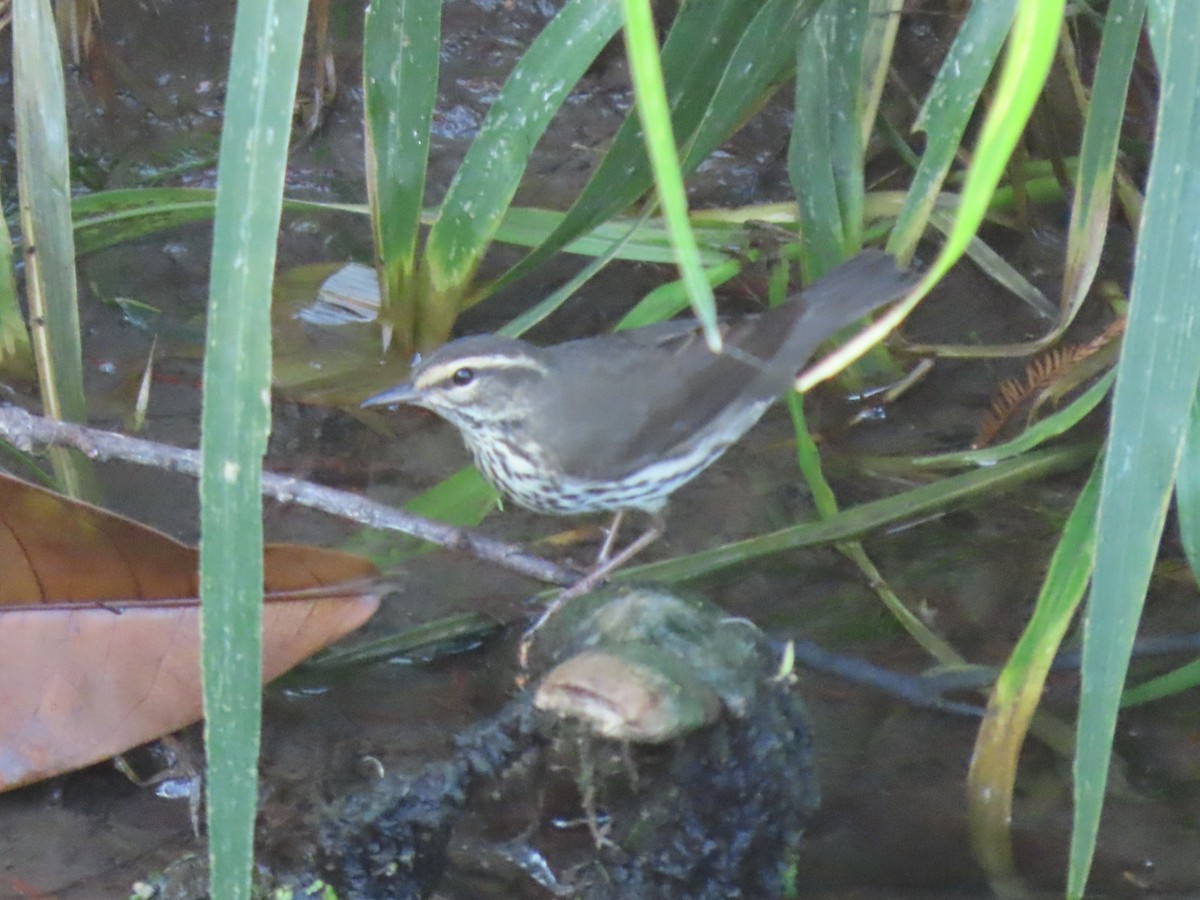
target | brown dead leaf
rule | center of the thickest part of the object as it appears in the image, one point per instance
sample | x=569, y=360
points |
x=99, y=628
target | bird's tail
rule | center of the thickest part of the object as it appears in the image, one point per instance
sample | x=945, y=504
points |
x=858, y=286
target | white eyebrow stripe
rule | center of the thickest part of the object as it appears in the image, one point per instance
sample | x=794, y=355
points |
x=444, y=371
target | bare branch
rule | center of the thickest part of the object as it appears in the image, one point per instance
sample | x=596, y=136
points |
x=28, y=432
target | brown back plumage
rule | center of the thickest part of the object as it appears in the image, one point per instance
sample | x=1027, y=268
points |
x=651, y=402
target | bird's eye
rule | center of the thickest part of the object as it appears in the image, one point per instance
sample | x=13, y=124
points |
x=463, y=376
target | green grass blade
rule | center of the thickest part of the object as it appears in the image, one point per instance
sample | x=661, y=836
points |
x=825, y=155
x=44, y=188
x=668, y=300
x=879, y=43
x=808, y=458
x=650, y=94
x=762, y=58
x=1098, y=155
x=401, y=47
x=236, y=420
x=946, y=112
x=547, y=306
x=1155, y=390
x=16, y=354
x=1184, y=678
x=649, y=242
x=1158, y=21
x=1031, y=46
x=487, y=180
x=853, y=523
x=1187, y=490
x=696, y=57
x=464, y=498
x=1048, y=428
x=700, y=51
x=418, y=644
x=107, y=218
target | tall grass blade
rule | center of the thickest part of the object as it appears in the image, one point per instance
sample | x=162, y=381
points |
x=1098, y=156
x=487, y=180
x=857, y=521
x=718, y=59
x=1031, y=46
x=1018, y=690
x=948, y=108
x=1152, y=401
x=1187, y=491
x=44, y=188
x=236, y=420
x=650, y=94
x=401, y=49
x=825, y=155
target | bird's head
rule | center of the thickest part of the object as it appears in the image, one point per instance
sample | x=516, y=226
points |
x=475, y=383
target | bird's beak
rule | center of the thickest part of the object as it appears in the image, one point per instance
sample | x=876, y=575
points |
x=401, y=393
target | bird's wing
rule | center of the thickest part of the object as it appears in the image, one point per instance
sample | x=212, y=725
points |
x=623, y=406
x=626, y=407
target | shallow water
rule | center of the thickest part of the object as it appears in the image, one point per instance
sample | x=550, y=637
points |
x=892, y=822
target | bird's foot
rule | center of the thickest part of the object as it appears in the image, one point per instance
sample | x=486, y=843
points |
x=592, y=580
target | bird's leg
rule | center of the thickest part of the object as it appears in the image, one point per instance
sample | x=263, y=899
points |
x=610, y=538
x=592, y=580
x=609, y=564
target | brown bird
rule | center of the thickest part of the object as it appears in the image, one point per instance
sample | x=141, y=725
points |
x=620, y=421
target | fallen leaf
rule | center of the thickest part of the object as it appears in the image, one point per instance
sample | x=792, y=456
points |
x=99, y=628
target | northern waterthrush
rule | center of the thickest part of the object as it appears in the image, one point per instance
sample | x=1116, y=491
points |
x=620, y=421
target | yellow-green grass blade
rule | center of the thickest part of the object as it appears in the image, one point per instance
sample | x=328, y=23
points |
x=1018, y=690
x=1031, y=46
x=650, y=95
x=107, y=218
x=44, y=188
x=648, y=242
x=879, y=42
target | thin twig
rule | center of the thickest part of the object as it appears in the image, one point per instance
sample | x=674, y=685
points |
x=27, y=432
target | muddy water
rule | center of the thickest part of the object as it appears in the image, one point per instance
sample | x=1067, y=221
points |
x=892, y=822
